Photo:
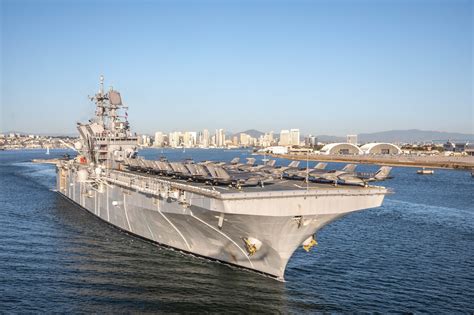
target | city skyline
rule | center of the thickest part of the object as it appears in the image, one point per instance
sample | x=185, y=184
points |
x=327, y=67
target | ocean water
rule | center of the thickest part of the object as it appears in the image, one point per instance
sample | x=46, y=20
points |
x=413, y=254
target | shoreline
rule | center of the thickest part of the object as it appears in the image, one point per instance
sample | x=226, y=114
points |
x=440, y=162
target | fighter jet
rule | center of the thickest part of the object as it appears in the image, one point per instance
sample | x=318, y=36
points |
x=219, y=175
x=268, y=166
x=353, y=178
x=277, y=172
x=247, y=166
x=363, y=179
x=303, y=173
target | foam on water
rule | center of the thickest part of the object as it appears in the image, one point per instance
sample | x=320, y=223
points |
x=42, y=174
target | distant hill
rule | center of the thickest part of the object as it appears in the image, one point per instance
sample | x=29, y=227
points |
x=327, y=138
x=413, y=135
x=251, y=132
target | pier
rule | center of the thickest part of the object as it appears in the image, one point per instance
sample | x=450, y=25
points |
x=450, y=162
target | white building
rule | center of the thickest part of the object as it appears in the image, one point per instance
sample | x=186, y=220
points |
x=189, y=139
x=245, y=139
x=204, y=141
x=341, y=148
x=380, y=148
x=145, y=141
x=174, y=139
x=294, y=137
x=265, y=140
x=220, y=138
x=159, y=139
x=284, y=138
x=275, y=150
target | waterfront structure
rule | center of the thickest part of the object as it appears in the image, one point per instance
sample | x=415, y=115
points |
x=341, y=148
x=252, y=225
x=449, y=146
x=274, y=150
x=458, y=147
x=469, y=149
x=380, y=148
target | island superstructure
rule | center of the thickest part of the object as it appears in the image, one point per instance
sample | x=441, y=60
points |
x=241, y=214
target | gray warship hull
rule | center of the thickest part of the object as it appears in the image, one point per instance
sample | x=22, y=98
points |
x=250, y=217
x=215, y=222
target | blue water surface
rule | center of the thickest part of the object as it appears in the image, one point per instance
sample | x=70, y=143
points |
x=413, y=254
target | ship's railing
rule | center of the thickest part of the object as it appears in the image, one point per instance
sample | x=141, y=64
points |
x=161, y=187
x=155, y=186
x=315, y=193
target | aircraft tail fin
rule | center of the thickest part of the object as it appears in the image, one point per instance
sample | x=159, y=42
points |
x=271, y=163
x=321, y=166
x=250, y=161
x=294, y=164
x=382, y=173
x=349, y=168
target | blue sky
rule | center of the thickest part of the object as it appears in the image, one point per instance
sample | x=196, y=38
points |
x=326, y=67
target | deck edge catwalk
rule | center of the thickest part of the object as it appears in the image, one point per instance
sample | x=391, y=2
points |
x=254, y=216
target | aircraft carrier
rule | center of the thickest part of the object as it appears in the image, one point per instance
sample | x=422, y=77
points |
x=252, y=216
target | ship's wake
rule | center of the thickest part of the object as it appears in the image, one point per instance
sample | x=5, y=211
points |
x=42, y=174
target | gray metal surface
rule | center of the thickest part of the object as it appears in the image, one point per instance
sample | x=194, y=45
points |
x=256, y=227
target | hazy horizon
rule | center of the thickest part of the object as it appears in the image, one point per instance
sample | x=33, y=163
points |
x=325, y=67
x=234, y=132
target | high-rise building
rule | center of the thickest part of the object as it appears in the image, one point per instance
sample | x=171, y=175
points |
x=235, y=140
x=284, y=138
x=266, y=140
x=159, y=139
x=310, y=141
x=295, y=137
x=189, y=139
x=174, y=139
x=205, y=138
x=270, y=137
x=352, y=139
x=145, y=141
x=244, y=139
x=220, y=138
